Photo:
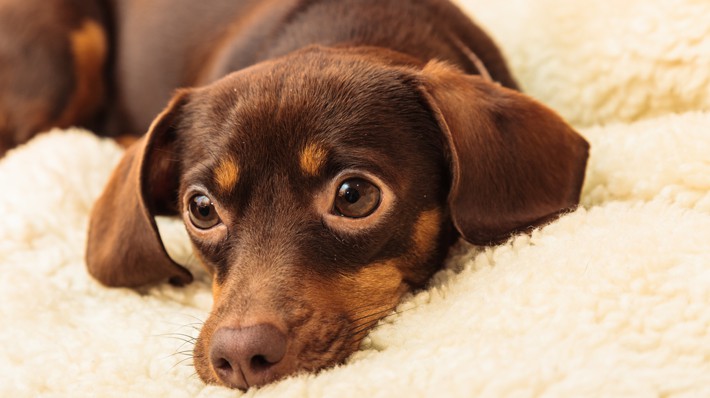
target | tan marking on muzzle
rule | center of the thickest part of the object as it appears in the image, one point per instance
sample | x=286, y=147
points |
x=216, y=291
x=313, y=158
x=375, y=287
x=426, y=231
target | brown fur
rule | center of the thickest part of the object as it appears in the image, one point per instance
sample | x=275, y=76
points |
x=52, y=59
x=287, y=100
x=89, y=47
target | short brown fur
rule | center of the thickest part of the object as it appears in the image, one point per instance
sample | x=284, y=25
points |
x=307, y=95
x=89, y=47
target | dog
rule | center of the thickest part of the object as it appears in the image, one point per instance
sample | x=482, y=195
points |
x=323, y=155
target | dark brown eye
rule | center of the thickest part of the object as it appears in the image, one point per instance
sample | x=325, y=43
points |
x=356, y=198
x=202, y=212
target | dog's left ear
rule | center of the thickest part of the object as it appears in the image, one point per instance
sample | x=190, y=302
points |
x=515, y=163
x=124, y=247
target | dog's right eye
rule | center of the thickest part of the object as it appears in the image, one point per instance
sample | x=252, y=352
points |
x=202, y=212
x=356, y=198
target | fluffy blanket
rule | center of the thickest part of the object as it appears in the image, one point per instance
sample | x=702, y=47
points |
x=610, y=300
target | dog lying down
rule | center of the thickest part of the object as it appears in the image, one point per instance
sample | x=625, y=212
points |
x=323, y=154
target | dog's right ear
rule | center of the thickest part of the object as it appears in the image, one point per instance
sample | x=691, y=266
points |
x=124, y=246
x=515, y=163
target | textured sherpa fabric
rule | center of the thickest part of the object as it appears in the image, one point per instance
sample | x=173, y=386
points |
x=610, y=300
x=598, y=61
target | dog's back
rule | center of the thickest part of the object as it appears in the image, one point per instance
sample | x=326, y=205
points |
x=161, y=45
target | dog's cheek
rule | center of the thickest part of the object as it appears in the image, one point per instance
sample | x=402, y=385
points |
x=216, y=292
x=376, y=286
x=344, y=307
x=367, y=296
x=426, y=248
x=201, y=352
x=364, y=297
x=199, y=256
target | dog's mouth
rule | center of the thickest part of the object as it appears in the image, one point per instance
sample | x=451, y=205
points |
x=265, y=352
x=275, y=324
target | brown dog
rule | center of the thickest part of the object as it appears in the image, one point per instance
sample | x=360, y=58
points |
x=322, y=180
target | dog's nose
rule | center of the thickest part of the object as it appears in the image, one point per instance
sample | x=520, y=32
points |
x=248, y=356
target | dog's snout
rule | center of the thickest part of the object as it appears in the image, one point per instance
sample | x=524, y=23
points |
x=248, y=356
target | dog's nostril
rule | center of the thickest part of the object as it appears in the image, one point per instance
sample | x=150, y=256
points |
x=223, y=365
x=259, y=363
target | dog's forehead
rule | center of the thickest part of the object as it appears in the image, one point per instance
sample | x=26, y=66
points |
x=307, y=106
x=321, y=87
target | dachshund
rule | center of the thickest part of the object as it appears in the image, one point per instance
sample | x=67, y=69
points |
x=323, y=155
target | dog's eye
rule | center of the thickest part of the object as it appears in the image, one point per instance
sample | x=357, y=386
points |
x=356, y=198
x=202, y=212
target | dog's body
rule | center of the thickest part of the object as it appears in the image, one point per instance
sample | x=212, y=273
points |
x=232, y=35
x=117, y=63
x=323, y=179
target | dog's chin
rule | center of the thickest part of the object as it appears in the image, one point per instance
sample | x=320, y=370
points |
x=320, y=343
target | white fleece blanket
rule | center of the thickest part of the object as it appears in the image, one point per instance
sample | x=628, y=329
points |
x=611, y=300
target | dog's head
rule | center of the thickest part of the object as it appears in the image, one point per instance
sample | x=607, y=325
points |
x=318, y=189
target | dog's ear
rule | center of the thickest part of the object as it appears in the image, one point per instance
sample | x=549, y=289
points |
x=515, y=163
x=124, y=247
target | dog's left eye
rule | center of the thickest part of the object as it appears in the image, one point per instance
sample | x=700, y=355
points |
x=356, y=198
x=202, y=212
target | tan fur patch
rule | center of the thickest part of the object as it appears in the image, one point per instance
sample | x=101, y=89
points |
x=426, y=231
x=227, y=174
x=216, y=292
x=89, y=49
x=313, y=158
x=374, y=288
x=126, y=140
x=369, y=295
x=379, y=275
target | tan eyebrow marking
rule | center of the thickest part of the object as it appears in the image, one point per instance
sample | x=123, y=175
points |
x=313, y=158
x=227, y=174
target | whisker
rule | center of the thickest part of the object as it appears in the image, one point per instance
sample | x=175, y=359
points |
x=178, y=336
x=367, y=308
x=184, y=340
x=371, y=315
x=180, y=362
x=195, y=318
x=184, y=352
x=357, y=336
x=361, y=328
x=367, y=325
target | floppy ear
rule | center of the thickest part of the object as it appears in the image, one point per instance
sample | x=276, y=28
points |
x=515, y=163
x=124, y=247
